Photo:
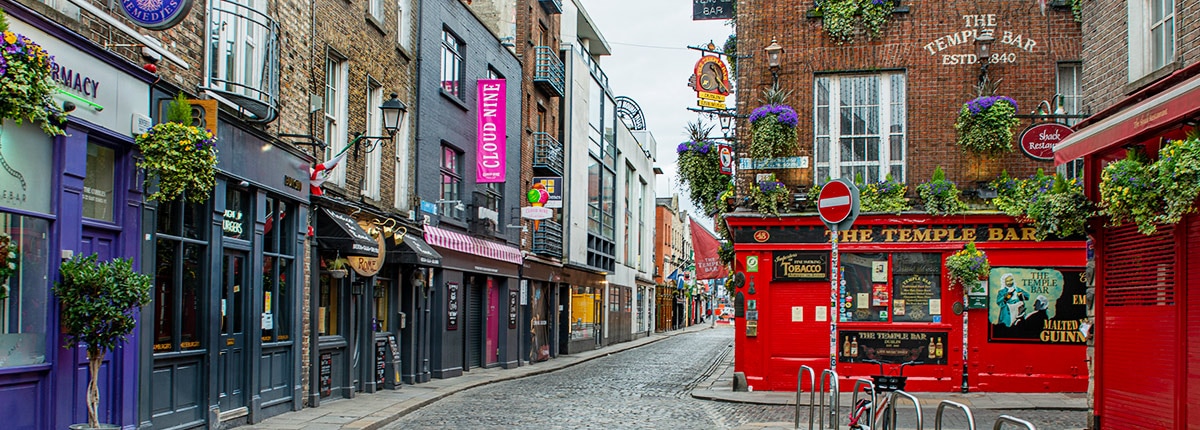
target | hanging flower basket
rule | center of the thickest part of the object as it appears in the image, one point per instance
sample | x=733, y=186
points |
x=770, y=196
x=25, y=85
x=773, y=131
x=838, y=17
x=700, y=171
x=1062, y=212
x=182, y=157
x=967, y=266
x=985, y=125
x=1178, y=174
x=9, y=260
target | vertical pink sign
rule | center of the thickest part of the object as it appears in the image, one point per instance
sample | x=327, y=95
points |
x=490, y=159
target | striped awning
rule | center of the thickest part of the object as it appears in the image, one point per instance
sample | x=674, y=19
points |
x=460, y=242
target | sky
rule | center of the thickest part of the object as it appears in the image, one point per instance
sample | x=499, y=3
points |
x=651, y=64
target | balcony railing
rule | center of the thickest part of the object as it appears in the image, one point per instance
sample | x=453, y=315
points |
x=243, y=62
x=549, y=75
x=547, y=239
x=552, y=7
x=547, y=153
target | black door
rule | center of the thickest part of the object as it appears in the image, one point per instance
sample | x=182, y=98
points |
x=231, y=353
x=475, y=325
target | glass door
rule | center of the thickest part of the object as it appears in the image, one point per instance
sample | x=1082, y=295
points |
x=231, y=360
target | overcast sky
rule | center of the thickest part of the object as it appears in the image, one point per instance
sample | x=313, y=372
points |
x=651, y=64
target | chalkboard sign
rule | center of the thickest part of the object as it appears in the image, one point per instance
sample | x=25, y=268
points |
x=512, y=309
x=381, y=350
x=391, y=340
x=326, y=372
x=916, y=287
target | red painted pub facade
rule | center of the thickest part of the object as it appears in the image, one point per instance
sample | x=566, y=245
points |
x=1020, y=327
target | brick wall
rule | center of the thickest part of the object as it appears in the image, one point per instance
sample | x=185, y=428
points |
x=531, y=20
x=935, y=90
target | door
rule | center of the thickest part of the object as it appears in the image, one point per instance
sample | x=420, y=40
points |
x=231, y=345
x=493, y=322
x=474, y=323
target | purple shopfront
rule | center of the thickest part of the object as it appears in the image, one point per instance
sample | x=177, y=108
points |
x=61, y=196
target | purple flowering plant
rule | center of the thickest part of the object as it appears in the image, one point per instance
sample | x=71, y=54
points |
x=25, y=84
x=181, y=156
x=770, y=196
x=886, y=196
x=967, y=266
x=986, y=124
x=773, y=126
x=699, y=169
x=1150, y=194
x=941, y=196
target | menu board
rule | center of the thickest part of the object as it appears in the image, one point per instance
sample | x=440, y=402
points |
x=916, y=287
x=451, y=306
x=381, y=349
x=326, y=374
x=512, y=309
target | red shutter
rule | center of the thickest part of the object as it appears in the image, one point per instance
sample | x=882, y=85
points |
x=1138, y=365
x=1193, y=320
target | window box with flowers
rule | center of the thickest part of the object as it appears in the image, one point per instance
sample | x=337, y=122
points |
x=773, y=126
x=941, y=197
x=700, y=169
x=25, y=84
x=985, y=125
x=967, y=266
x=838, y=16
x=886, y=196
x=181, y=156
x=770, y=196
x=1052, y=204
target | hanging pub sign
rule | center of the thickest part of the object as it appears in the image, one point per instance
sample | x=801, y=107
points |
x=712, y=9
x=725, y=153
x=1038, y=140
x=451, y=306
x=366, y=265
x=156, y=15
x=801, y=266
x=710, y=79
x=855, y=346
x=553, y=187
x=491, y=131
x=1036, y=306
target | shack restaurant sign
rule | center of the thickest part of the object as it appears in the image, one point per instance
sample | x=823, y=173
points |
x=1038, y=140
x=491, y=131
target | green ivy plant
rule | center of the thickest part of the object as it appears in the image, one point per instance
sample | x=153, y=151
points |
x=773, y=126
x=967, y=266
x=986, y=124
x=838, y=17
x=941, y=196
x=1128, y=193
x=181, y=156
x=25, y=84
x=10, y=259
x=1178, y=176
x=1013, y=195
x=770, y=196
x=700, y=169
x=98, y=300
x=886, y=196
x=1077, y=10
x=1062, y=211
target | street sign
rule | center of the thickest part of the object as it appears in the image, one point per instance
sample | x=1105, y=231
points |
x=838, y=203
x=726, y=156
x=1038, y=140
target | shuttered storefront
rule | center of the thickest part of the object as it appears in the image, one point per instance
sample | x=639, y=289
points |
x=475, y=323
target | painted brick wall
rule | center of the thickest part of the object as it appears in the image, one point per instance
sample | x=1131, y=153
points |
x=935, y=90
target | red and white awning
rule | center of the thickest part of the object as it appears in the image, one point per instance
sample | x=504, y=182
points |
x=460, y=242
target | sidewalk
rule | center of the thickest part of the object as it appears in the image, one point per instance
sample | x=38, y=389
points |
x=373, y=411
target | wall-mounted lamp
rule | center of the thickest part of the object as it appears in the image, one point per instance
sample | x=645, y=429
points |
x=774, y=61
x=983, y=52
x=393, y=111
x=458, y=204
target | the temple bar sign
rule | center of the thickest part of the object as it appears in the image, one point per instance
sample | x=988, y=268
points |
x=712, y=9
x=893, y=234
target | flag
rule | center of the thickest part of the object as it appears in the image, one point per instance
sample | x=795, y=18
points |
x=708, y=263
x=315, y=176
x=674, y=277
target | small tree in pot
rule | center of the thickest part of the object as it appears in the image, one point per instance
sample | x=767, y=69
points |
x=98, y=302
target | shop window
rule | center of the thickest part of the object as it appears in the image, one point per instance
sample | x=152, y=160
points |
x=180, y=266
x=860, y=123
x=236, y=222
x=585, y=304
x=900, y=287
x=327, y=311
x=99, y=184
x=382, y=286
x=1151, y=36
x=452, y=64
x=23, y=312
x=278, y=261
x=868, y=294
x=916, y=287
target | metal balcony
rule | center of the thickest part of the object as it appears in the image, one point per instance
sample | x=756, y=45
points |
x=547, y=154
x=547, y=239
x=550, y=76
x=552, y=7
x=243, y=62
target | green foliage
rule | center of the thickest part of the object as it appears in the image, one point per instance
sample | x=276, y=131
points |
x=10, y=260
x=3, y=20
x=1014, y=195
x=770, y=196
x=985, y=125
x=725, y=253
x=1061, y=212
x=182, y=157
x=967, y=266
x=1148, y=194
x=700, y=169
x=886, y=196
x=1178, y=174
x=1077, y=10
x=941, y=197
x=730, y=50
x=98, y=300
x=773, y=126
x=25, y=84
x=838, y=17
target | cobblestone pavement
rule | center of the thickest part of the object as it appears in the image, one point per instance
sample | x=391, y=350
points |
x=645, y=387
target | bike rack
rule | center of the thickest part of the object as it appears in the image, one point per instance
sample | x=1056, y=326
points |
x=1000, y=421
x=831, y=377
x=859, y=383
x=812, y=387
x=937, y=421
x=892, y=410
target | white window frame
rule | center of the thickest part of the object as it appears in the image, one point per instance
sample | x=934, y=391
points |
x=1070, y=89
x=237, y=58
x=1142, y=43
x=373, y=172
x=452, y=56
x=892, y=109
x=402, y=144
x=375, y=8
x=404, y=24
x=337, y=83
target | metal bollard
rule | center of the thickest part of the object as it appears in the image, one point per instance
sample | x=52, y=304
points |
x=1000, y=421
x=812, y=388
x=937, y=420
x=858, y=384
x=892, y=410
x=831, y=377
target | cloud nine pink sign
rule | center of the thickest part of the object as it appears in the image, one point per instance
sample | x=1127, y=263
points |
x=490, y=159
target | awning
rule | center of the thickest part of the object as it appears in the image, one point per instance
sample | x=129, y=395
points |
x=1144, y=119
x=471, y=245
x=339, y=232
x=413, y=250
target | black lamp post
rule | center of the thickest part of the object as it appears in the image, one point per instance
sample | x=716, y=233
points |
x=774, y=52
x=393, y=111
x=983, y=52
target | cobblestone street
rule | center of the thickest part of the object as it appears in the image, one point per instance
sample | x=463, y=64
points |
x=645, y=387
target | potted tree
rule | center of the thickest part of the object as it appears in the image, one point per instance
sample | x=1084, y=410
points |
x=98, y=304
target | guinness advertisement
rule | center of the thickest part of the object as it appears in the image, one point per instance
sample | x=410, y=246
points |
x=1036, y=306
x=855, y=346
x=890, y=233
x=800, y=266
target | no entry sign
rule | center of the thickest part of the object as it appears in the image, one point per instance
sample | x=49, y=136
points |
x=838, y=203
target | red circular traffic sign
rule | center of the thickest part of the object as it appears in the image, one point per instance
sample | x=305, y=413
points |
x=835, y=202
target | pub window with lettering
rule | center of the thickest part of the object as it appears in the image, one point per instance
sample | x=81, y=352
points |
x=896, y=287
x=180, y=265
x=278, y=259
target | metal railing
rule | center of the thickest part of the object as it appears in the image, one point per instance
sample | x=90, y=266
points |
x=549, y=73
x=547, y=239
x=547, y=153
x=858, y=385
x=891, y=413
x=812, y=394
x=1005, y=419
x=243, y=66
x=937, y=419
x=829, y=380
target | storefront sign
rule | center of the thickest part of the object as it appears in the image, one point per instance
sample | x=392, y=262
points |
x=751, y=264
x=961, y=43
x=1036, y=306
x=890, y=233
x=552, y=185
x=381, y=347
x=712, y=9
x=368, y=266
x=391, y=340
x=892, y=346
x=451, y=306
x=156, y=15
x=512, y=309
x=252, y=154
x=325, y=368
x=27, y=156
x=773, y=163
x=710, y=79
x=233, y=224
x=725, y=155
x=1038, y=140
x=801, y=266
x=491, y=120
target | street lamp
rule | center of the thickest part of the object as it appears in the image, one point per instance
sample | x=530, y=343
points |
x=774, y=52
x=983, y=52
x=393, y=111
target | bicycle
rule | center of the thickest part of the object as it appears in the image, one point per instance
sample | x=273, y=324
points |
x=874, y=407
